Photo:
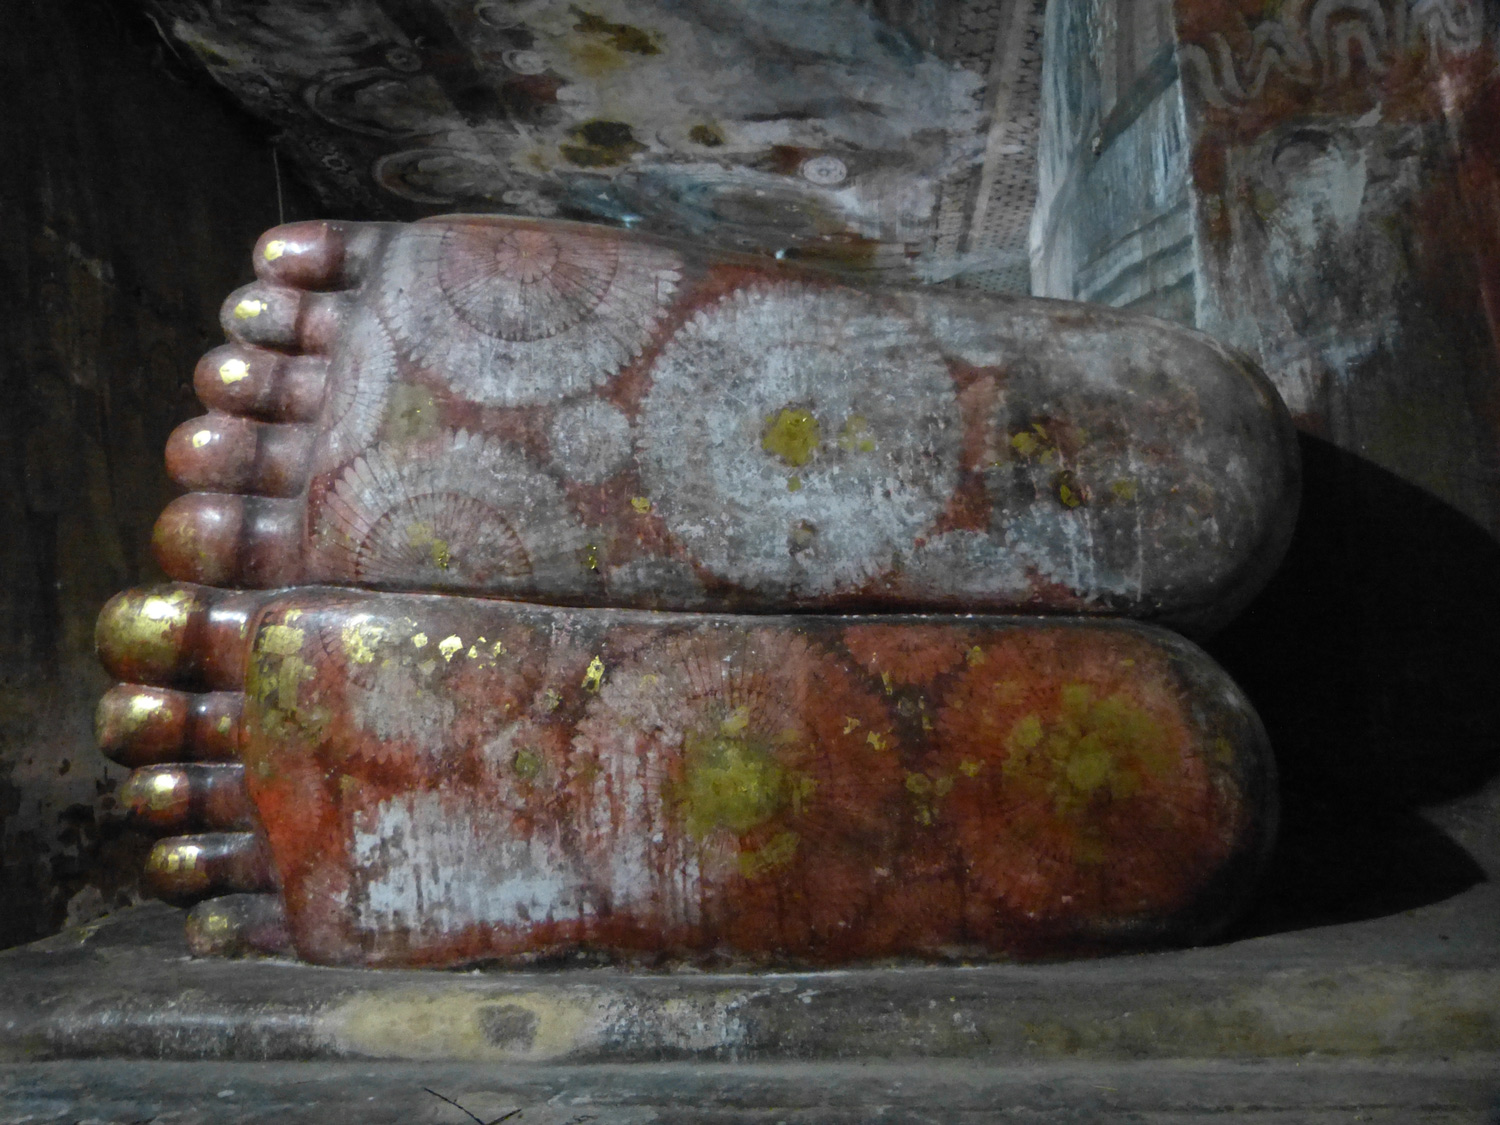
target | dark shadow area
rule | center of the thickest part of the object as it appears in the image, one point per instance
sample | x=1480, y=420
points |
x=1372, y=657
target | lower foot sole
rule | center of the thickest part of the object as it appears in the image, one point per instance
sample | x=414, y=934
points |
x=438, y=780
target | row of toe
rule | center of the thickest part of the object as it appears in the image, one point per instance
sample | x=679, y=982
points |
x=176, y=719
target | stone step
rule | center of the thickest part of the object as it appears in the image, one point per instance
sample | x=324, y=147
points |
x=1270, y=1092
x=1416, y=988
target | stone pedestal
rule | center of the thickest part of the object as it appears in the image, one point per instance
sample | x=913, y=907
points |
x=1396, y=1019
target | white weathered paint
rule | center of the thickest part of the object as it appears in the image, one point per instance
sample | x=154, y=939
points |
x=360, y=373
x=864, y=372
x=437, y=863
x=512, y=316
x=465, y=512
x=590, y=440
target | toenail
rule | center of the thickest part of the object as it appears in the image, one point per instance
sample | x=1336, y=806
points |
x=249, y=307
x=234, y=370
x=275, y=249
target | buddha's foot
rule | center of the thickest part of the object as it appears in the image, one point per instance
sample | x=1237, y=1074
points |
x=577, y=415
x=440, y=780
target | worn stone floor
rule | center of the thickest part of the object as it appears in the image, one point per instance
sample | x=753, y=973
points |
x=1424, y=1092
x=1392, y=1019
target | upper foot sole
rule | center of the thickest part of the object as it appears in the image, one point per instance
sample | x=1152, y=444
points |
x=573, y=414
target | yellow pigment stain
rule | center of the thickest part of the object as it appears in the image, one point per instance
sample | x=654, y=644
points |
x=885, y=681
x=855, y=437
x=793, y=436
x=423, y=537
x=202, y=438
x=1025, y=443
x=733, y=783
x=594, y=677
x=248, y=308
x=970, y=768
x=640, y=504
x=224, y=724
x=275, y=249
x=975, y=656
x=876, y=740
x=1069, y=492
x=926, y=792
x=621, y=36
x=450, y=646
x=361, y=636
x=1095, y=749
x=591, y=557
x=285, y=683
x=551, y=700
x=280, y=640
x=233, y=370
x=526, y=763
x=596, y=59
x=419, y=640
x=1123, y=489
x=737, y=721
x=794, y=484
x=850, y=722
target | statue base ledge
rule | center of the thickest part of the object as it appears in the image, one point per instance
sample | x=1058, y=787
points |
x=1397, y=1016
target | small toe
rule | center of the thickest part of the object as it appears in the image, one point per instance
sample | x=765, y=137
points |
x=183, y=868
x=228, y=453
x=275, y=316
x=187, y=796
x=240, y=379
x=223, y=539
x=137, y=725
x=176, y=635
x=237, y=925
x=317, y=254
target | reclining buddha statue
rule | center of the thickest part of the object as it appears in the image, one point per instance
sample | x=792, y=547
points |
x=545, y=589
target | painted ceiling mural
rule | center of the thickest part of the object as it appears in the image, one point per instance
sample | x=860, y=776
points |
x=890, y=136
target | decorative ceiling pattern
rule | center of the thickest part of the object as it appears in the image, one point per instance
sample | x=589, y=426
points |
x=893, y=136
